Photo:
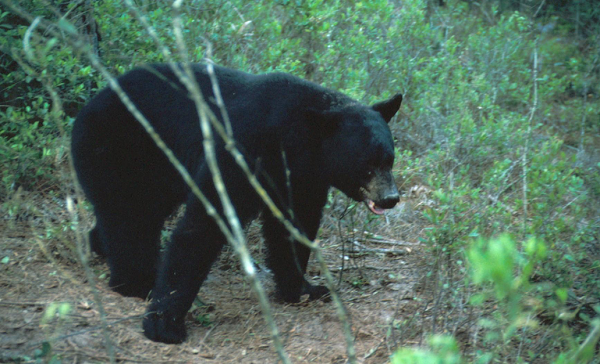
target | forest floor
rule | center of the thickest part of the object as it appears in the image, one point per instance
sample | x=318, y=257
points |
x=379, y=282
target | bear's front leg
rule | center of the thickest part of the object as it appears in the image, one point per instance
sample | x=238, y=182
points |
x=288, y=258
x=195, y=245
x=163, y=328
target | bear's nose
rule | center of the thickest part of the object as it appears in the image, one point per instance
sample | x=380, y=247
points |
x=389, y=200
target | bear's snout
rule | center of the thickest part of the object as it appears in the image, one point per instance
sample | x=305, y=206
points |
x=390, y=200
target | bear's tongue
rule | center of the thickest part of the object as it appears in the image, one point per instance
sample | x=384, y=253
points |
x=374, y=208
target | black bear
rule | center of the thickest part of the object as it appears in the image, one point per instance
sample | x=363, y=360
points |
x=280, y=123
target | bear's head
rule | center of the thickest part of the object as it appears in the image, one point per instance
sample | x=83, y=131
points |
x=359, y=152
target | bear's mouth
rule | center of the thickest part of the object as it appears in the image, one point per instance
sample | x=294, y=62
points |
x=374, y=208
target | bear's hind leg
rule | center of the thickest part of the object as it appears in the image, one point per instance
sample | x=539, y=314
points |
x=131, y=241
x=96, y=243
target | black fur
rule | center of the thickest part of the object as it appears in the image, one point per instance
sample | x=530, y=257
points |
x=328, y=139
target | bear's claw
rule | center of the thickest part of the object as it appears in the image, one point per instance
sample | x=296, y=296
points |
x=162, y=328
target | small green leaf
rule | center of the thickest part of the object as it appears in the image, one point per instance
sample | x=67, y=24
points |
x=67, y=26
x=64, y=309
x=562, y=294
x=5, y=260
x=477, y=299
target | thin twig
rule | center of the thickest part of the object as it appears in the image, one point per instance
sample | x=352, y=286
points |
x=89, y=329
x=24, y=303
x=581, y=150
x=238, y=241
x=528, y=136
x=363, y=248
x=588, y=345
x=81, y=246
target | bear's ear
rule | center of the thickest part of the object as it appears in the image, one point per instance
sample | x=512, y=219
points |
x=323, y=123
x=388, y=108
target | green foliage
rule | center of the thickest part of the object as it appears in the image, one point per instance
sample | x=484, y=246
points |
x=586, y=352
x=53, y=320
x=504, y=269
x=32, y=148
x=202, y=313
x=501, y=263
x=444, y=350
x=471, y=105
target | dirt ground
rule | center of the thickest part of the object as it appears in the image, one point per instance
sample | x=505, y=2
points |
x=379, y=282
